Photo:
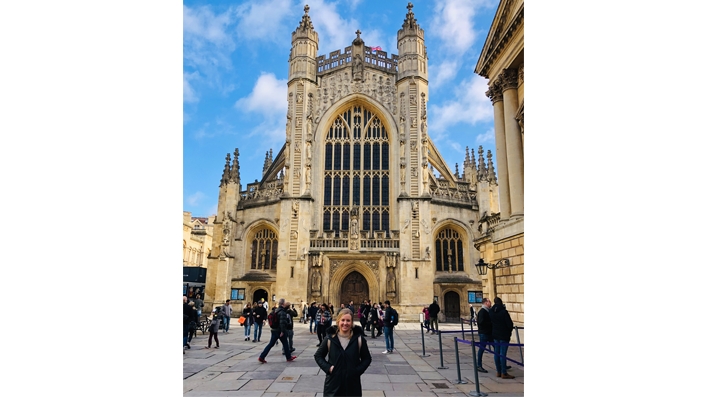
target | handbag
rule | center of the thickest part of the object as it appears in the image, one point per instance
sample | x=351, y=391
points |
x=241, y=320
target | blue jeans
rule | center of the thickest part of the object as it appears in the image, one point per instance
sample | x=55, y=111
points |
x=500, y=356
x=484, y=339
x=257, y=335
x=226, y=323
x=185, y=334
x=312, y=325
x=289, y=334
x=247, y=328
x=273, y=339
x=389, y=338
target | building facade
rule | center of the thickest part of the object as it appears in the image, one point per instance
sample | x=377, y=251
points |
x=502, y=234
x=358, y=203
x=198, y=239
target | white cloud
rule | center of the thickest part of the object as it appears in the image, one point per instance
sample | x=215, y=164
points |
x=334, y=32
x=195, y=198
x=208, y=43
x=189, y=94
x=469, y=106
x=442, y=73
x=268, y=97
x=453, y=21
x=486, y=137
x=263, y=19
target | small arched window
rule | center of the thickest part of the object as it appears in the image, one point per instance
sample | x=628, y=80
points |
x=263, y=250
x=449, y=251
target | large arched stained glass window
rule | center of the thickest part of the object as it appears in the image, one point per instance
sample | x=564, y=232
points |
x=449, y=251
x=356, y=171
x=263, y=250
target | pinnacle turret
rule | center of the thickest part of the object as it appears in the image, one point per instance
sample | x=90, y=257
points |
x=267, y=162
x=457, y=174
x=235, y=170
x=410, y=21
x=491, y=176
x=305, y=23
x=481, y=168
x=226, y=171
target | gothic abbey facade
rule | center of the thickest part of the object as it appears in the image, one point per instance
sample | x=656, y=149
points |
x=358, y=202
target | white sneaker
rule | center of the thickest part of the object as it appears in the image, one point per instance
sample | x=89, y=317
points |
x=386, y=352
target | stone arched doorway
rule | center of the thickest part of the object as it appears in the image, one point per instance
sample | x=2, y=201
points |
x=354, y=288
x=259, y=294
x=451, y=306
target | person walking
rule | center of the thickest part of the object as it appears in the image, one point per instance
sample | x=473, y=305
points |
x=426, y=317
x=374, y=320
x=312, y=324
x=390, y=317
x=213, y=328
x=260, y=314
x=278, y=322
x=247, y=312
x=304, y=308
x=433, y=310
x=502, y=326
x=324, y=319
x=187, y=319
x=348, y=357
x=484, y=330
x=291, y=312
x=227, y=311
x=192, y=324
x=198, y=303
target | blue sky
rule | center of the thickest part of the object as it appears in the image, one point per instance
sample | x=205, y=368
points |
x=235, y=75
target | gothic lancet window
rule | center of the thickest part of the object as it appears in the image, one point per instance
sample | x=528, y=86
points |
x=263, y=250
x=449, y=251
x=356, y=171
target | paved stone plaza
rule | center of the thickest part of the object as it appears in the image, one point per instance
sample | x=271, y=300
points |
x=233, y=370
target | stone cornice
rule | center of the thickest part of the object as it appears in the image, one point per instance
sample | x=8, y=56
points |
x=491, y=51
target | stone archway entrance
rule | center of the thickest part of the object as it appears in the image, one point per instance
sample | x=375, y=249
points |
x=452, y=307
x=354, y=288
x=259, y=294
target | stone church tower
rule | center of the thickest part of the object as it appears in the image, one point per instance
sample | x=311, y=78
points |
x=358, y=203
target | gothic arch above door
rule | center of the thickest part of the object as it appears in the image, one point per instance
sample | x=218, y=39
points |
x=354, y=288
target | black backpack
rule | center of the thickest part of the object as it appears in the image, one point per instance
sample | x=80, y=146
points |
x=395, y=318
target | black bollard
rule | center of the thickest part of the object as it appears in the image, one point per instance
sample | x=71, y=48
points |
x=477, y=391
x=521, y=352
x=462, y=327
x=440, y=347
x=457, y=362
x=423, y=344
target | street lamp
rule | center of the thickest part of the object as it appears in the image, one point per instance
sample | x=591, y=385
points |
x=482, y=266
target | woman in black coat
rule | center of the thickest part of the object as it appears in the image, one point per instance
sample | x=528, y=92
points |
x=348, y=357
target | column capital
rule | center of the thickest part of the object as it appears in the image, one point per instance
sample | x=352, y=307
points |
x=494, y=92
x=508, y=79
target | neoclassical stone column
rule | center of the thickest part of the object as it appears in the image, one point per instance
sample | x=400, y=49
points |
x=515, y=153
x=495, y=95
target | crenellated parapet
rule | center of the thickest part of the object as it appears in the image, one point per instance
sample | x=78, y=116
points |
x=341, y=58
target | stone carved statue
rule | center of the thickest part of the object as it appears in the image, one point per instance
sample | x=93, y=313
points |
x=353, y=227
x=316, y=281
x=357, y=68
x=391, y=280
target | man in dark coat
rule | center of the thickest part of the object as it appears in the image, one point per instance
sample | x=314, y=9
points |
x=187, y=320
x=279, y=333
x=433, y=310
x=502, y=326
x=484, y=329
x=313, y=325
x=259, y=315
x=348, y=363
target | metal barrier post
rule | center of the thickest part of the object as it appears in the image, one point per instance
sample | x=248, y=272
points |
x=457, y=362
x=462, y=327
x=521, y=352
x=440, y=347
x=423, y=344
x=477, y=391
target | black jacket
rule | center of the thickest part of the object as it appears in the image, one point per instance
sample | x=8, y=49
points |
x=312, y=310
x=433, y=309
x=349, y=364
x=187, y=313
x=262, y=312
x=502, y=324
x=484, y=323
